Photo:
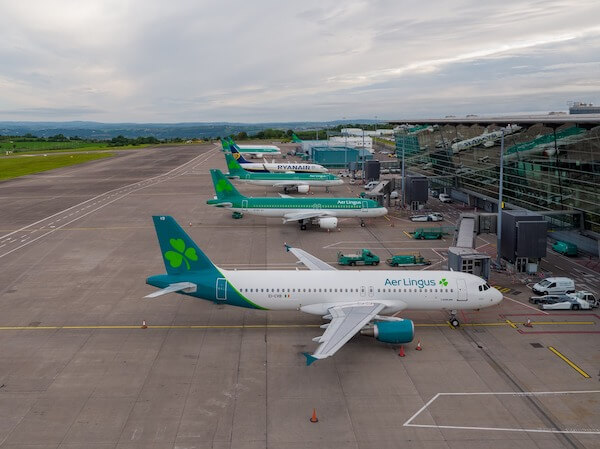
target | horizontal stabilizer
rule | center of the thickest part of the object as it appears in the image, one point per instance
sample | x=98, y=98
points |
x=187, y=287
x=309, y=358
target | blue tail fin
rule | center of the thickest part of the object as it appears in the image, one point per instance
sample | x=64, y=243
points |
x=235, y=151
x=180, y=254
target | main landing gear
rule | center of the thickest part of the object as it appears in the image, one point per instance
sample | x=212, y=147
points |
x=453, y=320
x=302, y=225
x=362, y=223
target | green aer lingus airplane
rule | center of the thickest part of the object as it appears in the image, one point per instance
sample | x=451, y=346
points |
x=300, y=181
x=321, y=211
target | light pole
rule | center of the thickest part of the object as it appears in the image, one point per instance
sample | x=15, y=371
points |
x=403, y=180
x=500, y=201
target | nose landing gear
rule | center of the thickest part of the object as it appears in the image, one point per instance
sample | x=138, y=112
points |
x=453, y=320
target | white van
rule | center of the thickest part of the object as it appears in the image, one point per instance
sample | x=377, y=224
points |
x=554, y=286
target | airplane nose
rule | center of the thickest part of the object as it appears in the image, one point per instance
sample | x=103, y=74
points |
x=498, y=296
x=385, y=210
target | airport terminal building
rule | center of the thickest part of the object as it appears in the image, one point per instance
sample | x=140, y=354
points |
x=551, y=168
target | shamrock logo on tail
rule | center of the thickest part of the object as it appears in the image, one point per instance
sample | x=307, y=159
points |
x=181, y=254
x=444, y=282
x=223, y=185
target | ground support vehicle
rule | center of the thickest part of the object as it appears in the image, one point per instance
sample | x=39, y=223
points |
x=365, y=257
x=567, y=303
x=565, y=248
x=434, y=216
x=428, y=233
x=586, y=296
x=407, y=260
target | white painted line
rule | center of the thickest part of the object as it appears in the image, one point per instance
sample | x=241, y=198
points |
x=526, y=305
x=55, y=228
x=4, y=244
x=593, y=431
x=105, y=193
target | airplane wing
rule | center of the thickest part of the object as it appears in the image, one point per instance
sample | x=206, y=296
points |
x=283, y=195
x=295, y=216
x=346, y=321
x=310, y=261
x=189, y=287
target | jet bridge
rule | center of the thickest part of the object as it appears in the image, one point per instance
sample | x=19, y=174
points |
x=462, y=255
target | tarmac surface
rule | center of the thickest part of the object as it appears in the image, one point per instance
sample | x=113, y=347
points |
x=77, y=370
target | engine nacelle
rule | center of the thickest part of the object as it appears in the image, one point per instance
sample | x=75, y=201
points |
x=328, y=222
x=396, y=332
x=303, y=188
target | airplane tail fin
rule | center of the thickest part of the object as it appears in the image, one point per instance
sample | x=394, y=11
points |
x=180, y=253
x=235, y=151
x=295, y=138
x=224, y=189
x=234, y=167
x=225, y=144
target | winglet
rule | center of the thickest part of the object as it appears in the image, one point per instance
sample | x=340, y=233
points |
x=309, y=358
x=287, y=247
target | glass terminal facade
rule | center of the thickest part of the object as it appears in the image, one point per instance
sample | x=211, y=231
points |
x=545, y=169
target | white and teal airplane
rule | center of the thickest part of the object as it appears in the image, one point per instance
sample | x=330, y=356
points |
x=275, y=167
x=300, y=181
x=353, y=301
x=323, y=212
x=255, y=151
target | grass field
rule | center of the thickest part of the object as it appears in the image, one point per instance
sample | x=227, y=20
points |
x=19, y=166
x=58, y=147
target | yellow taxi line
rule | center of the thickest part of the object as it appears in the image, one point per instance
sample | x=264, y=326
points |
x=568, y=362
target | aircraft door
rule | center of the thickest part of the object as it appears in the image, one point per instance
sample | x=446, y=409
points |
x=363, y=290
x=365, y=207
x=244, y=204
x=462, y=290
x=221, y=289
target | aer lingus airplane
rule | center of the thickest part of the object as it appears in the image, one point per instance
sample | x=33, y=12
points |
x=301, y=181
x=296, y=139
x=321, y=211
x=353, y=301
x=255, y=151
x=276, y=167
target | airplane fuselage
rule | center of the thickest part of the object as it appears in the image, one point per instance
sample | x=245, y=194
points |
x=314, y=292
x=277, y=167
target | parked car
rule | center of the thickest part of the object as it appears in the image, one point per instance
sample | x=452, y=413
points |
x=371, y=185
x=568, y=303
x=435, y=216
x=445, y=198
x=554, y=286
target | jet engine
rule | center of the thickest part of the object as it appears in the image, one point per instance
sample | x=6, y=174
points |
x=328, y=222
x=303, y=188
x=391, y=331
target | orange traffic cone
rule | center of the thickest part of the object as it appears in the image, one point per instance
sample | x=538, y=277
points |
x=528, y=323
x=314, y=418
x=144, y=324
x=419, y=348
x=401, y=352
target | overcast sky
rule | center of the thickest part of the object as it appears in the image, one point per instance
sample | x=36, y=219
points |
x=273, y=60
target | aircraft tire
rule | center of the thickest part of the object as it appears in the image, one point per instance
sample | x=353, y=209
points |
x=454, y=322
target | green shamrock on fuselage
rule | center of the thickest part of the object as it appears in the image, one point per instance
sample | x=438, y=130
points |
x=444, y=282
x=181, y=254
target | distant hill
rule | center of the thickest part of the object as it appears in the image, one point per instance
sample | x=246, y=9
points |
x=105, y=131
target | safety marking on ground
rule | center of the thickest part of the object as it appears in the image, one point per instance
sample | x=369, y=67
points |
x=538, y=311
x=581, y=430
x=511, y=324
x=569, y=362
x=407, y=234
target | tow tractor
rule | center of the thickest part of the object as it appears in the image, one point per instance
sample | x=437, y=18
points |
x=365, y=257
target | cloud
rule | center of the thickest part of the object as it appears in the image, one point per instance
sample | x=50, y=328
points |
x=267, y=60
